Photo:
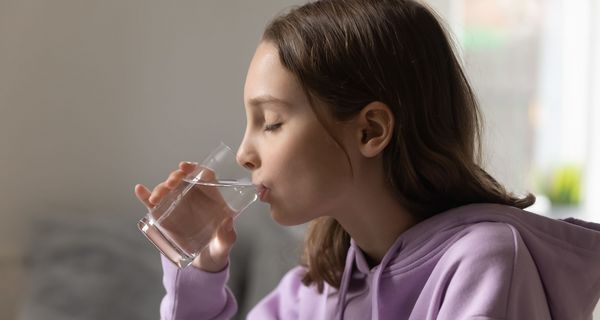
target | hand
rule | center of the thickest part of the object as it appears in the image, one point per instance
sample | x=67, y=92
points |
x=215, y=256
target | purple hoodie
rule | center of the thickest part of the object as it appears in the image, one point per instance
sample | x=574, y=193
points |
x=480, y=261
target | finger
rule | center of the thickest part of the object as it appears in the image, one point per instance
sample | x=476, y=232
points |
x=208, y=175
x=226, y=236
x=142, y=193
x=175, y=178
x=216, y=256
x=158, y=193
x=188, y=166
x=211, y=192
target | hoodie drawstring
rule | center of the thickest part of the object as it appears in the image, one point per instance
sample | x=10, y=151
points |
x=375, y=295
x=345, y=283
x=377, y=278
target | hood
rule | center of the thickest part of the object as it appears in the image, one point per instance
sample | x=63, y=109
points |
x=566, y=252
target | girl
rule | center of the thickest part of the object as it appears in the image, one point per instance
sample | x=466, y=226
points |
x=360, y=120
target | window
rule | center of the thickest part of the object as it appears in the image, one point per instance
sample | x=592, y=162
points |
x=534, y=66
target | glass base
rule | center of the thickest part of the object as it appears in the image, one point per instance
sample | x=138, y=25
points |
x=163, y=244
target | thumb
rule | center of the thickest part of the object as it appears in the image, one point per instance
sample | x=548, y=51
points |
x=225, y=237
x=216, y=256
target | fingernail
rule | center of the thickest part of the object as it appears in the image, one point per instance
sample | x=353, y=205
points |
x=192, y=163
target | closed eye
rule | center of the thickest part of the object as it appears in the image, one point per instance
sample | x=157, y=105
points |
x=273, y=127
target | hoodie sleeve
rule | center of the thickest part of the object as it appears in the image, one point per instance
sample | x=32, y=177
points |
x=193, y=294
x=490, y=274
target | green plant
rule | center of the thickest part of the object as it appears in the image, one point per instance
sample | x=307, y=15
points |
x=564, y=185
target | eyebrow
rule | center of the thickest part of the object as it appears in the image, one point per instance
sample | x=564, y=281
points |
x=268, y=99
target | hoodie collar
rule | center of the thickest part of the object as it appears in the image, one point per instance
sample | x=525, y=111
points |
x=360, y=260
x=549, y=240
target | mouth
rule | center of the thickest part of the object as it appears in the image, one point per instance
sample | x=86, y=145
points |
x=262, y=192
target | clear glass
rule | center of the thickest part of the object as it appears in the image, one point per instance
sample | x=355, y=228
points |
x=186, y=220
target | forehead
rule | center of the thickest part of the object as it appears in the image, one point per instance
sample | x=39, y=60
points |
x=267, y=77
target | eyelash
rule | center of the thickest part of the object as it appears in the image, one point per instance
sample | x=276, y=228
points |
x=273, y=127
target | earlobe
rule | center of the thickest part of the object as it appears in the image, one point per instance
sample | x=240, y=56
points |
x=376, y=126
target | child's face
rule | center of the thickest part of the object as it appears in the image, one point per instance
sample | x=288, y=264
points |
x=288, y=150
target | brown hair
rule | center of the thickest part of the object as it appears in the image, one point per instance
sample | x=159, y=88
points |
x=347, y=54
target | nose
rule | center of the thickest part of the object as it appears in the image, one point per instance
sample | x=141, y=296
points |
x=247, y=157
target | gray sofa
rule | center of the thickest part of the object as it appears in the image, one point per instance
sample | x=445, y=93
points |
x=89, y=267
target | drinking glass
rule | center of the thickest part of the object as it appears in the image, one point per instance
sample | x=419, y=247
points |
x=187, y=218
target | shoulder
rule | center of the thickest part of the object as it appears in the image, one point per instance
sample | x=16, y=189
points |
x=496, y=242
x=290, y=300
x=289, y=288
x=292, y=280
x=477, y=275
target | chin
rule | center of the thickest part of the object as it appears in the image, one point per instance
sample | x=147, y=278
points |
x=287, y=220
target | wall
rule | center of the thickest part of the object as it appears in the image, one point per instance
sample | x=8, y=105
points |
x=96, y=96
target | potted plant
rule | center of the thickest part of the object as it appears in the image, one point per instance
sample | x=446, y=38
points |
x=563, y=189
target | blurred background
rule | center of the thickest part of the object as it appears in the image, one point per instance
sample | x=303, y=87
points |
x=96, y=96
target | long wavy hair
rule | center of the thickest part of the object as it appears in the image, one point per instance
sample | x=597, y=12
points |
x=348, y=53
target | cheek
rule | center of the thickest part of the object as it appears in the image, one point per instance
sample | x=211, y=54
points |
x=310, y=178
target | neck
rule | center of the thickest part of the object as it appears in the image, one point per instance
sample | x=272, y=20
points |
x=375, y=219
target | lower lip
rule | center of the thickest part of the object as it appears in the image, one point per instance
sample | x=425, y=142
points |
x=263, y=194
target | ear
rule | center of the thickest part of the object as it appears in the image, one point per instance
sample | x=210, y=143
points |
x=375, y=124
